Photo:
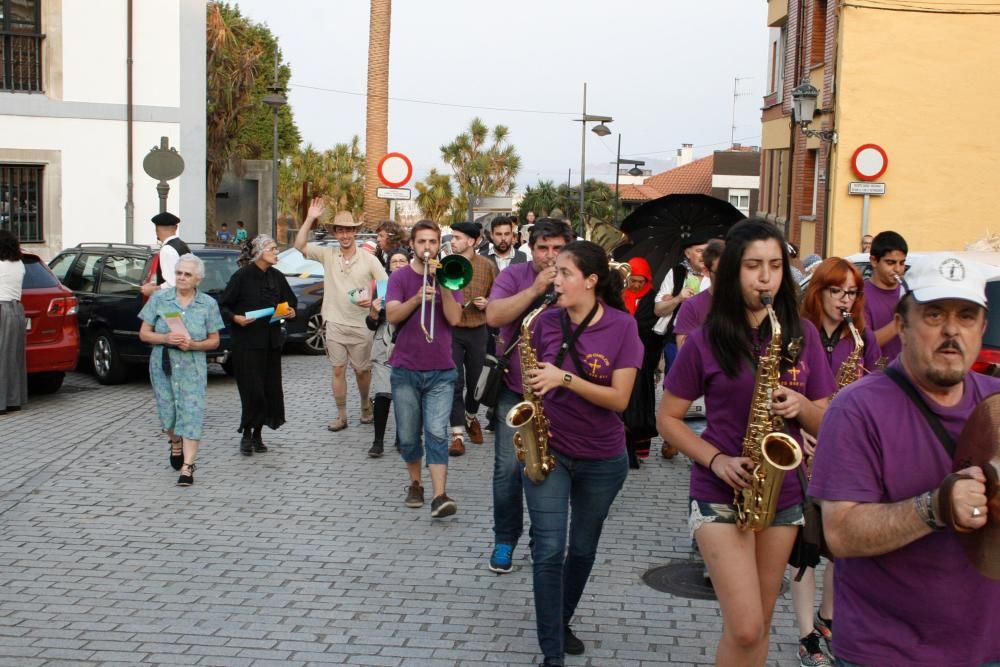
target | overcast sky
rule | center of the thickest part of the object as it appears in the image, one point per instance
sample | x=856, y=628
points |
x=663, y=69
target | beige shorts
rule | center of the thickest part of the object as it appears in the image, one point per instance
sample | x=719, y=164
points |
x=349, y=343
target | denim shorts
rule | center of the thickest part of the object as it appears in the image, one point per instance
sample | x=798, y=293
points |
x=702, y=513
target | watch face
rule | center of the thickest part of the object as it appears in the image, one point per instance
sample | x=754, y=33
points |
x=567, y=378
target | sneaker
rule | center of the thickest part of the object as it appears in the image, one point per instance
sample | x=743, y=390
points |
x=338, y=424
x=475, y=431
x=443, y=506
x=457, y=446
x=414, y=495
x=502, y=560
x=810, y=653
x=824, y=628
x=572, y=645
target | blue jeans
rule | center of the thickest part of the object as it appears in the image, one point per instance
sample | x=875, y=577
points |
x=508, y=503
x=586, y=488
x=422, y=402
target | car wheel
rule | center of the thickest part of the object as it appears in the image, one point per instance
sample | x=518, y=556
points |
x=108, y=366
x=315, y=341
x=45, y=383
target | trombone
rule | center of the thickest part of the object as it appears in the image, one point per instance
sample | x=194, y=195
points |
x=454, y=272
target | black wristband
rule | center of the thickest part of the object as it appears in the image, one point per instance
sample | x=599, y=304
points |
x=712, y=460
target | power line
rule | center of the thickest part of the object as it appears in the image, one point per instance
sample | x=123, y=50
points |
x=921, y=9
x=671, y=150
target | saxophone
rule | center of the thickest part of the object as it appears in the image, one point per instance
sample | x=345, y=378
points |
x=531, y=439
x=848, y=371
x=772, y=451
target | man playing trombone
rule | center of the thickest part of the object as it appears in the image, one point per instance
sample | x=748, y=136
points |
x=423, y=372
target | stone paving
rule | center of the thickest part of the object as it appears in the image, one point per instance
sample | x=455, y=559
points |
x=302, y=555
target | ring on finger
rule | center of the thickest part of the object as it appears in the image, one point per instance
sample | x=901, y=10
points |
x=976, y=511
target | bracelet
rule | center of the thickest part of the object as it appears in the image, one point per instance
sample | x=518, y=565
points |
x=712, y=460
x=924, y=504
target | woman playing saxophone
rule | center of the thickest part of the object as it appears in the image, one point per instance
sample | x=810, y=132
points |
x=718, y=361
x=583, y=386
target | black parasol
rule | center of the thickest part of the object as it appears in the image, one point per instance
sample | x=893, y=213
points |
x=658, y=229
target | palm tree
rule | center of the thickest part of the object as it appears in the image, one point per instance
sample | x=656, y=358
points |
x=434, y=196
x=377, y=118
x=336, y=174
x=481, y=168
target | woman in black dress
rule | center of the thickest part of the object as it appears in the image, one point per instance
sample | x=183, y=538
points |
x=257, y=342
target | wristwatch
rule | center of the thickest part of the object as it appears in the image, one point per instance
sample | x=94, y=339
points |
x=567, y=378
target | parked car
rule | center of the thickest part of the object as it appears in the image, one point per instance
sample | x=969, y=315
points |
x=53, y=338
x=305, y=277
x=105, y=279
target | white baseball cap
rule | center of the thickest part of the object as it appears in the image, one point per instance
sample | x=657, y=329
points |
x=944, y=276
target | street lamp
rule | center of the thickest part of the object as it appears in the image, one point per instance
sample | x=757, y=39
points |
x=600, y=130
x=634, y=171
x=804, y=108
x=275, y=99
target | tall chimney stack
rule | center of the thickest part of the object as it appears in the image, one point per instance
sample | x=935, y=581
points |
x=685, y=154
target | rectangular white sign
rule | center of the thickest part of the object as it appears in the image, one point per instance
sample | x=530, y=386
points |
x=866, y=188
x=393, y=193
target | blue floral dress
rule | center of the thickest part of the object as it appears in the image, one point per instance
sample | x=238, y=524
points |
x=180, y=396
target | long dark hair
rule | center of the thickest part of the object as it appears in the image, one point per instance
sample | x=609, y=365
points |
x=727, y=327
x=10, y=248
x=592, y=259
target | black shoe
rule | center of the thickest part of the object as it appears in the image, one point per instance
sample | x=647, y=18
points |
x=176, y=460
x=442, y=506
x=188, y=479
x=551, y=662
x=376, y=451
x=258, y=444
x=571, y=643
x=246, y=446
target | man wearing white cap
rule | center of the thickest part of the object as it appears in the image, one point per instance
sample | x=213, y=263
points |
x=905, y=592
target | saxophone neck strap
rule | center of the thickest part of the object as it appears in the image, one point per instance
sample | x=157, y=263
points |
x=932, y=420
x=517, y=339
x=570, y=338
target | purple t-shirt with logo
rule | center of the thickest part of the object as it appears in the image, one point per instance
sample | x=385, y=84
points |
x=692, y=313
x=412, y=351
x=922, y=605
x=880, y=308
x=845, y=346
x=696, y=372
x=579, y=428
x=512, y=280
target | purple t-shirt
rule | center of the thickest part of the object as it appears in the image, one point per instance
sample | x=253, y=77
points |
x=845, y=346
x=412, y=351
x=922, y=605
x=696, y=372
x=880, y=308
x=579, y=428
x=692, y=313
x=515, y=278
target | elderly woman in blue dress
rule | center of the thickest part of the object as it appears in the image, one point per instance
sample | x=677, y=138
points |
x=181, y=324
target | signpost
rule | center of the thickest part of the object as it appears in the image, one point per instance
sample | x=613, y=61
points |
x=869, y=162
x=394, y=194
x=394, y=170
x=163, y=163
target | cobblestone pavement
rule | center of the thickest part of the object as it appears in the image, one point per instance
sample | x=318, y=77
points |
x=302, y=555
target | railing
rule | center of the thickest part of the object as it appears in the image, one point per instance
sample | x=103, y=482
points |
x=21, y=201
x=21, y=61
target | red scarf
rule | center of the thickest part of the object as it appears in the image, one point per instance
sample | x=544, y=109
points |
x=640, y=267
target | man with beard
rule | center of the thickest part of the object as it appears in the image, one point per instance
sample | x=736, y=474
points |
x=502, y=252
x=905, y=592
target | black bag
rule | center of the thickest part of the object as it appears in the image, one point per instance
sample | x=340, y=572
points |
x=490, y=382
x=809, y=543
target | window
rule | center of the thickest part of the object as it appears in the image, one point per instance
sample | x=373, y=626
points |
x=741, y=200
x=776, y=64
x=21, y=45
x=121, y=275
x=21, y=201
x=60, y=266
x=83, y=277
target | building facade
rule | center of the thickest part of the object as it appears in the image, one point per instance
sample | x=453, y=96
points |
x=901, y=76
x=65, y=104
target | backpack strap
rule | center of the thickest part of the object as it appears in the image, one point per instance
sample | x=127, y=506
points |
x=932, y=420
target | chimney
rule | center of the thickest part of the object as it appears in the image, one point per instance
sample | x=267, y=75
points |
x=685, y=154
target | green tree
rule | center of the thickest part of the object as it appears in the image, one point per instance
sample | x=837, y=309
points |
x=434, y=196
x=336, y=174
x=545, y=197
x=484, y=161
x=240, y=68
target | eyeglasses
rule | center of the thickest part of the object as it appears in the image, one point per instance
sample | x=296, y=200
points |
x=271, y=249
x=837, y=292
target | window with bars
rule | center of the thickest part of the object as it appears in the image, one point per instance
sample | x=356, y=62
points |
x=21, y=45
x=21, y=201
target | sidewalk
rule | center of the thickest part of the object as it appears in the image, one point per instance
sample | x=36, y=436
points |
x=304, y=554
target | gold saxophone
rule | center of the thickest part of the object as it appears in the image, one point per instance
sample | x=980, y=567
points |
x=772, y=451
x=531, y=439
x=848, y=371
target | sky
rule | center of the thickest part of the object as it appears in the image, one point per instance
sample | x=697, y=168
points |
x=663, y=69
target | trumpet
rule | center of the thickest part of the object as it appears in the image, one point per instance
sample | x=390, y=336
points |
x=454, y=272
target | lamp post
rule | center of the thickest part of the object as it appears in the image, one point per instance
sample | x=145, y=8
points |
x=600, y=130
x=275, y=99
x=634, y=171
x=804, y=108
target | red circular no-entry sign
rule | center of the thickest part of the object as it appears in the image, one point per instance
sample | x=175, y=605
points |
x=869, y=162
x=395, y=169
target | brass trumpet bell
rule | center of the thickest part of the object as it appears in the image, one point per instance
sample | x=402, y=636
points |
x=454, y=272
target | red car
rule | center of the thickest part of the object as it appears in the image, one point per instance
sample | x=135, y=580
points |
x=53, y=343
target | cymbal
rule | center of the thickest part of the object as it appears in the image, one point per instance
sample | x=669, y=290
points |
x=979, y=445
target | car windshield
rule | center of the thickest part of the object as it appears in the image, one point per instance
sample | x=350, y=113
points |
x=36, y=275
x=291, y=262
x=218, y=269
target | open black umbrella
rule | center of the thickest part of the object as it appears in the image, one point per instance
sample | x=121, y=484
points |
x=659, y=228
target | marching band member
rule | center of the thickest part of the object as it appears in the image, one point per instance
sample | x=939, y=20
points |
x=718, y=361
x=888, y=260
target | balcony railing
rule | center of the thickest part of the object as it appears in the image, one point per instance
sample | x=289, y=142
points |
x=21, y=62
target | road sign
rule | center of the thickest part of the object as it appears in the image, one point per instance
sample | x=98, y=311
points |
x=395, y=170
x=393, y=193
x=866, y=188
x=869, y=162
